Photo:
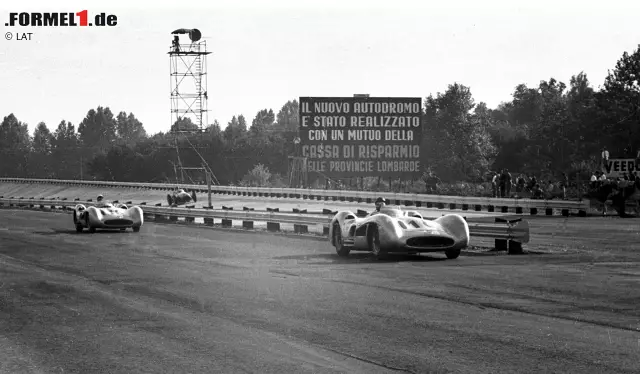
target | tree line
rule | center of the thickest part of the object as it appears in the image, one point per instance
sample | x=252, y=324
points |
x=546, y=130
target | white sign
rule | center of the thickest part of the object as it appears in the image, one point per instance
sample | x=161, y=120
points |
x=616, y=167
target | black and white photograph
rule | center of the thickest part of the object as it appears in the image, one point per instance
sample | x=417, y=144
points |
x=320, y=186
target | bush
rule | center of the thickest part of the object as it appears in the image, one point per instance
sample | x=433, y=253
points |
x=259, y=176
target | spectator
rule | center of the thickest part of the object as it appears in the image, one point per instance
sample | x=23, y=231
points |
x=532, y=182
x=494, y=184
x=602, y=179
x=564, y=184
x=605, y=155
x=520, y=183
x=503, y=182
x=508, y=182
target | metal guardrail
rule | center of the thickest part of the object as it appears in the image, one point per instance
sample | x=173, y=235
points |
x=515, y=232
x=451, y=202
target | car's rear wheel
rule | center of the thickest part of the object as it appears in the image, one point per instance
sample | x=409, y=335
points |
x=452, y=253
x=79, y=227
x=374, y=244
x=341, y=249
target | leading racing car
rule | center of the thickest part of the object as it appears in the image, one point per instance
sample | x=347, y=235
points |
x=107, y=216
x=392, y=230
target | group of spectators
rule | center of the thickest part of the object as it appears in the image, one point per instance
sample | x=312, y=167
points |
x=503, y=182
x=599, y=177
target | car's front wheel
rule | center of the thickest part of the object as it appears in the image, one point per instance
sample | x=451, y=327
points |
x=341, y=249
x=89, y=227
x=136, y=228
x=374, y=244
x=452, y=253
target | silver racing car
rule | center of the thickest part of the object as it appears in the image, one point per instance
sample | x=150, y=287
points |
x=392, y=230
x=107, y=216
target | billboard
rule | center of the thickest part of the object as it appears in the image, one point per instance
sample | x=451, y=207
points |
x=344, y=137
x=616, y=167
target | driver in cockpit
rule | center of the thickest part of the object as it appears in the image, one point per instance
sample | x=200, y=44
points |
x=380, y=202
x=100, y=203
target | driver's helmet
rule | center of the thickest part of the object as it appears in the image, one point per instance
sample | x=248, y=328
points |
x=181, y=191
x=380, y=202
x=99, y=198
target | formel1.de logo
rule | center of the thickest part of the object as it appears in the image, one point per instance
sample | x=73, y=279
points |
x=61, y=19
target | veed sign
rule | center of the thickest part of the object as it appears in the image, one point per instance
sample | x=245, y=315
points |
x=361, y=136
x=616, y=167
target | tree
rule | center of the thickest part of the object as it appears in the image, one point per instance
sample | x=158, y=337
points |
x=620, y=102
x=457, y=142
x=66, y=156
x=288, y=118
x=98, y=129
x=14, y=146
x=129, y=129
x=184, y=124
x=263, y=121
x=40, y=160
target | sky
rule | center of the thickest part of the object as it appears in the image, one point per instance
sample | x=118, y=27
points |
x=265, y=53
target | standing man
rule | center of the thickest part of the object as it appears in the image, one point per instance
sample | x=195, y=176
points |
x=605, y=156
x=494, y=184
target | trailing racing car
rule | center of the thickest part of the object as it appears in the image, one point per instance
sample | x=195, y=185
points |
x=107, y=216
x=392, y=230
x=181, y=197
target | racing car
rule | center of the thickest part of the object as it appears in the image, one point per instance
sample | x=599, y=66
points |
x=181, y=197
x=107, y=216
x=392, y=230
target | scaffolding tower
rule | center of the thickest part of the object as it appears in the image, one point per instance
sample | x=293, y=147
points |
x=189, y=107
x=188, y=73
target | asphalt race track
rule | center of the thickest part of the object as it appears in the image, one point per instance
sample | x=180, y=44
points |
x=184, y=299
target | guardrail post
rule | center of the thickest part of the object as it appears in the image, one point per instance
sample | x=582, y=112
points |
x=300, y=229
x=505, y=209
x=534, y=211
x=325, y=230
x=159, y=217
x=501, y=244
x=582, y=213
x=565, y=212
x=226, y=222
x=208, y=221
x=189, y=219
x=452, y=206
x=465, y=206
x=518, y=210
x=515, y=248
x=490, y=208
x=173, y=218
x=247, y=225
x=478, y=208
x=549, y=211
x=273, y=226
